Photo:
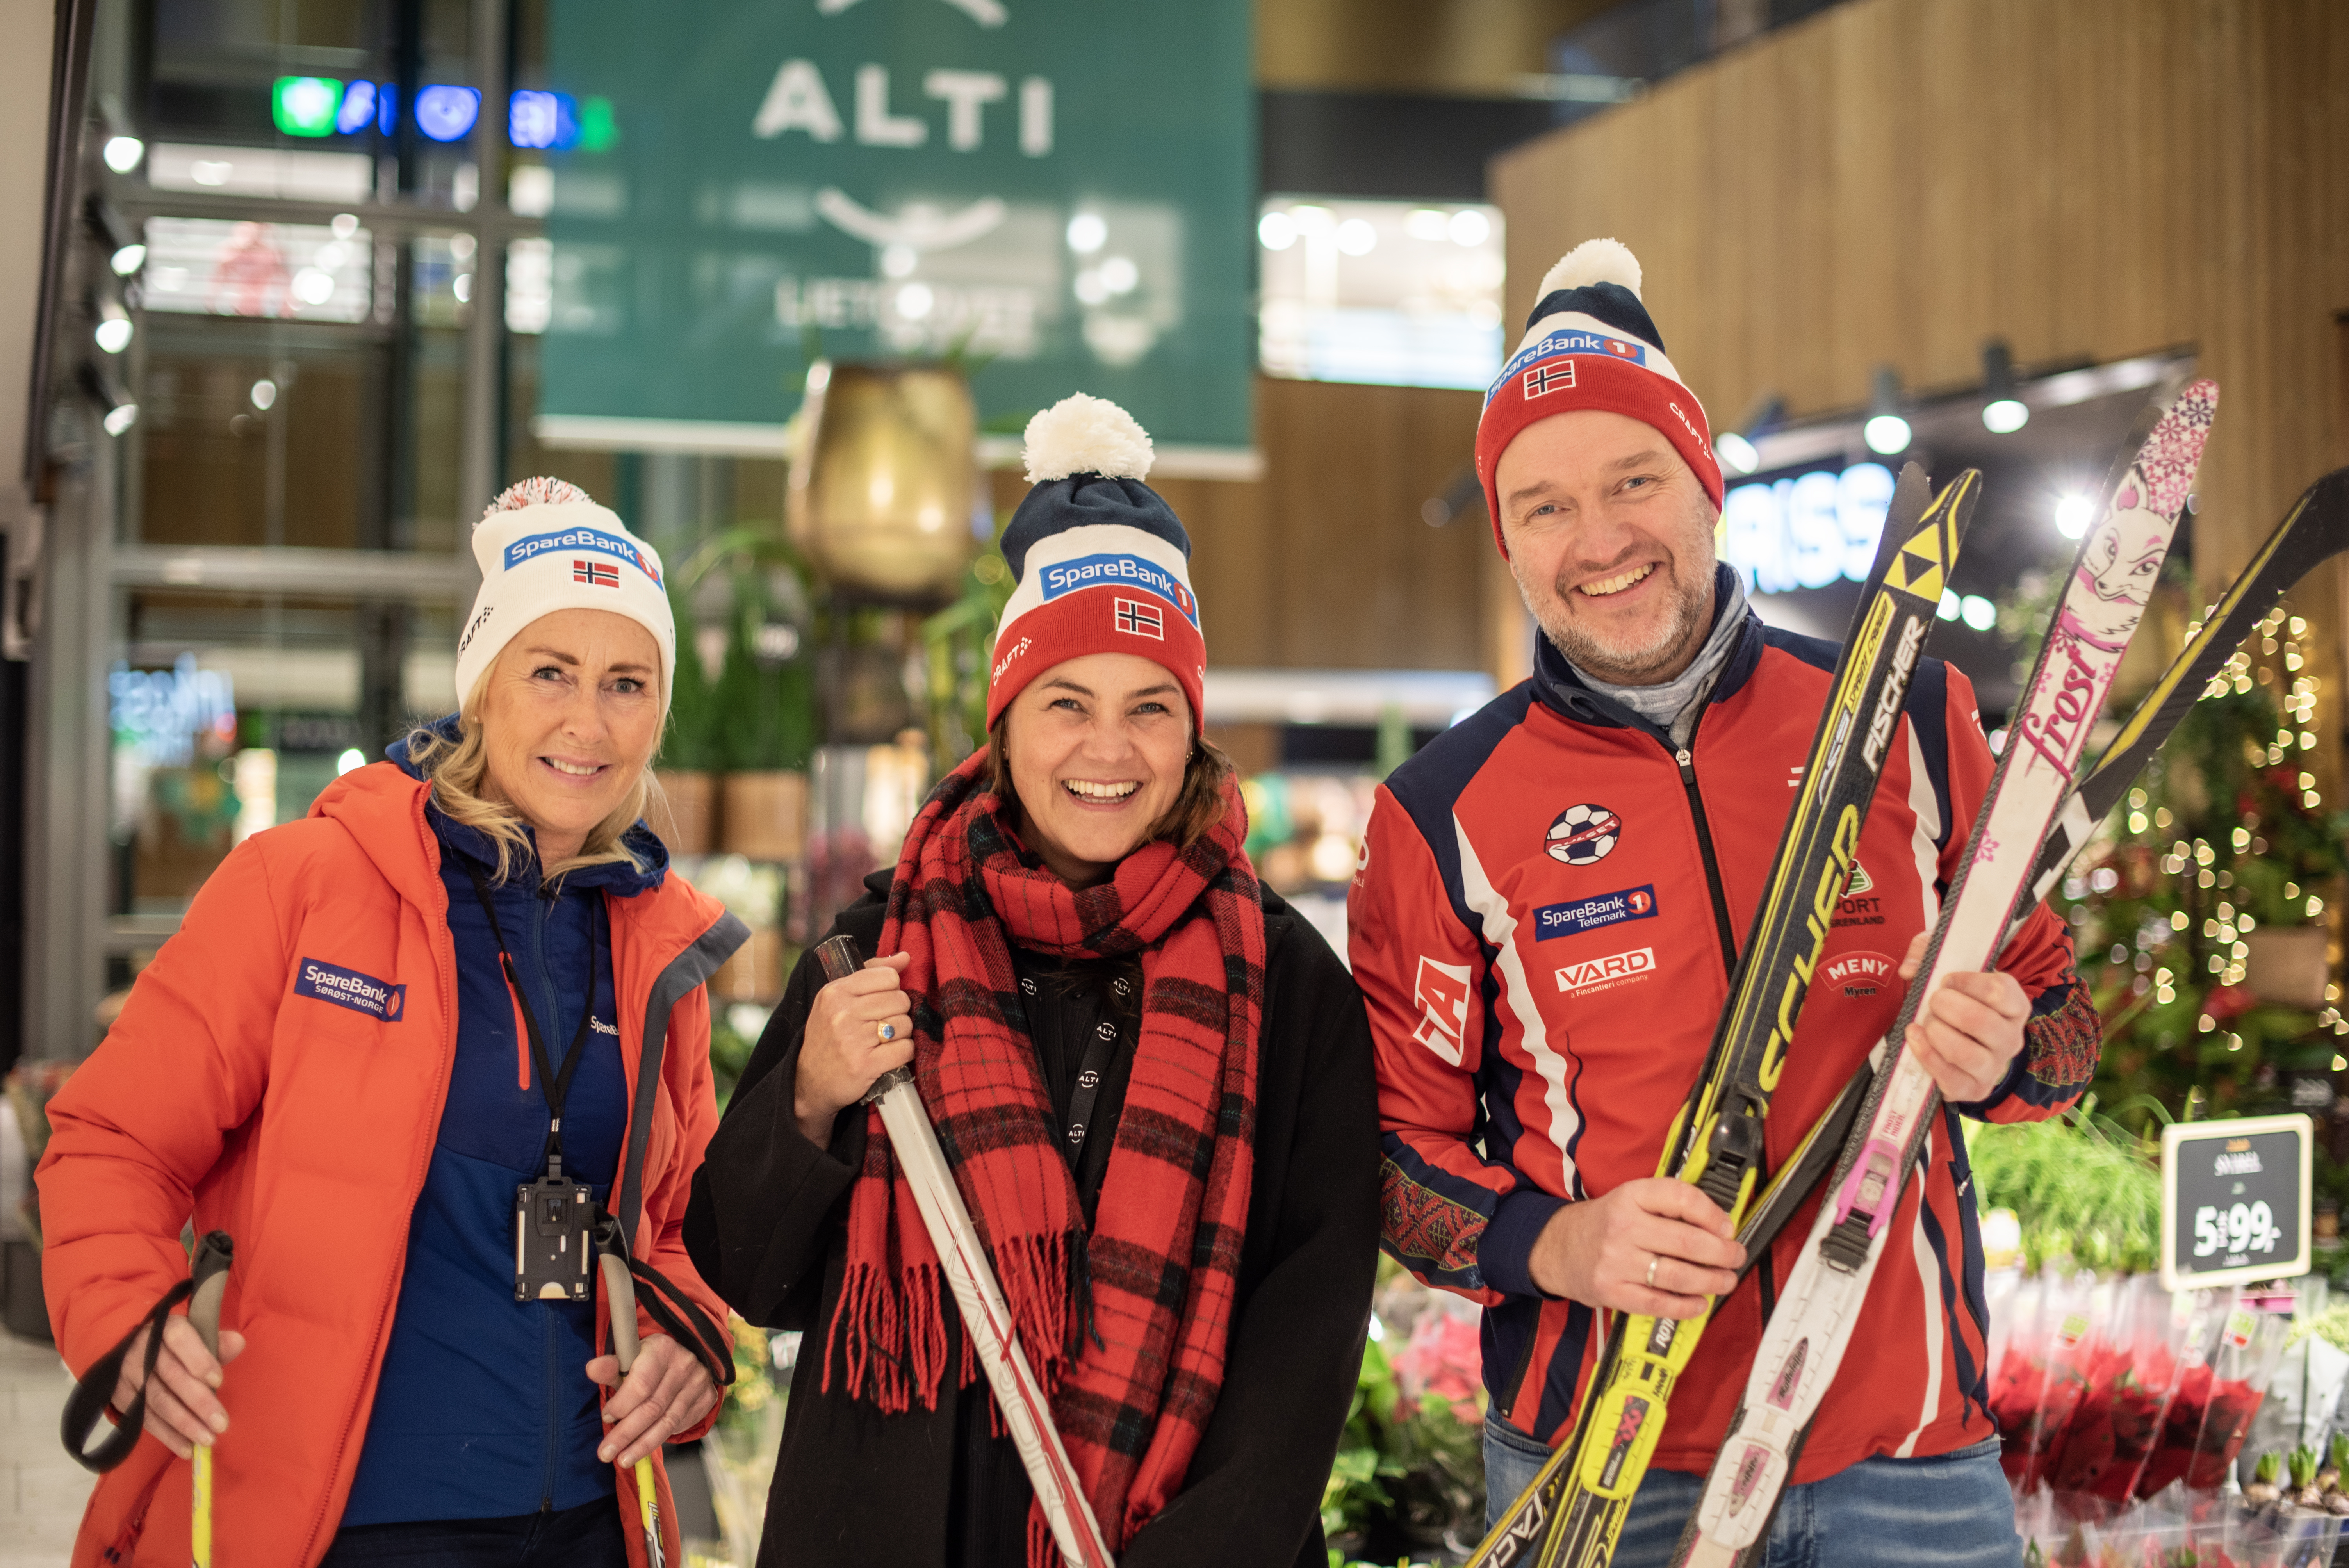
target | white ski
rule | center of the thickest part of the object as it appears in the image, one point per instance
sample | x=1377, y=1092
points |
x=1804, y=1343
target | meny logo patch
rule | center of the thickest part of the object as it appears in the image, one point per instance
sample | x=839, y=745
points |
x=325, y=981
x=1604, y=974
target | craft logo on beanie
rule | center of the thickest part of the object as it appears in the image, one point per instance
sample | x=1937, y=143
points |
x=1100, y=561
x=1590, y=344
x=545, y=545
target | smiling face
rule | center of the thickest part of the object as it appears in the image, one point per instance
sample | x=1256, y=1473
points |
x=570, y=713
x=1611, y=538
x=1097, y=748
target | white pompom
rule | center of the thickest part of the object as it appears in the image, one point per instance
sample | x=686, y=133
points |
x=1592, y=261
x=1083, y=435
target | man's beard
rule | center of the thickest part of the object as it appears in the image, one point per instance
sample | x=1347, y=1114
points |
x=1628, y=662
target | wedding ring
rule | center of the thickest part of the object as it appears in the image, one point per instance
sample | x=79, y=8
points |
x=1653, y=1260
x=888, y=1032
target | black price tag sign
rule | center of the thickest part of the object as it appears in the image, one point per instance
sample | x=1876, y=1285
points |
x=2235, y=1201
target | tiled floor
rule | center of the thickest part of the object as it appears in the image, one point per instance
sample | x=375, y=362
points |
x=41, y=1490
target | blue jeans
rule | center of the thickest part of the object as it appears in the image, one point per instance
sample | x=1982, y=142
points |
x=1951, y=1510
x=587, y=1536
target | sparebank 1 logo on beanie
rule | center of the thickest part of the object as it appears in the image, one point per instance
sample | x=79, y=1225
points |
x=1590, y=344
x=1103, y=564
x=545, y=545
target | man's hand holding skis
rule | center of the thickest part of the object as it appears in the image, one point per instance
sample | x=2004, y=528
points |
x=1653, y=1247
x=1969, y=1031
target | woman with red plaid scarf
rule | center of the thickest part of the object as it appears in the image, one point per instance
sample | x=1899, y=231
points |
x=1152, y=1078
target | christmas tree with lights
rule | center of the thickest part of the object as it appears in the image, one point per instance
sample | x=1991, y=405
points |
x=2199, y=912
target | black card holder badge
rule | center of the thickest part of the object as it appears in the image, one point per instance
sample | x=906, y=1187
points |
x=555, y=1252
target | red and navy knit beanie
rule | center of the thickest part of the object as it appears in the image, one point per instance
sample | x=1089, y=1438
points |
x=1101, y=563
x=1590, y=344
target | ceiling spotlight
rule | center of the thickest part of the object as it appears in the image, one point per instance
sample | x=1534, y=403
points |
x=1735, y=447
x=2072, y=515
x=122, y=153
x=2004, y=412
x=113, y=331
x=1886, y=432
x=127, y=260
x=120, y=412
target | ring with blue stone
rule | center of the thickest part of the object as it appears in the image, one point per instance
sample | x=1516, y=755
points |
x=888, y=1032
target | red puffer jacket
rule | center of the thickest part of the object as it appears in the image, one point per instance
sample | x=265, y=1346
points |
x=304, y=1128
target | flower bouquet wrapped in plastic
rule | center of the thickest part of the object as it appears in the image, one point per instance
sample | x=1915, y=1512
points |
x=2249, y=1345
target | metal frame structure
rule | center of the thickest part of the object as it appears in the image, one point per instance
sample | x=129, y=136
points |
x=88, y=567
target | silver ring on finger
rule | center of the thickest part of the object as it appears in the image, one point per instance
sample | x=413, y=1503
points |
x=1653, y=1259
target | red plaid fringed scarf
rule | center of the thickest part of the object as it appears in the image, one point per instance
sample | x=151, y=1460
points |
x=1132, y=1378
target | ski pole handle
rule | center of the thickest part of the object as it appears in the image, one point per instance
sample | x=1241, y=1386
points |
x=208, y=1280
x=838, y=957
x=620, y=1294
x=208, y=1272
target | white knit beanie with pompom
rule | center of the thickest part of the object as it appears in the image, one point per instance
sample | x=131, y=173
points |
x=545, y=545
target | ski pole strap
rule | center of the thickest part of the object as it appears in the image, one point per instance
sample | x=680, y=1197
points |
x=93, y=1392
x=670, y=1307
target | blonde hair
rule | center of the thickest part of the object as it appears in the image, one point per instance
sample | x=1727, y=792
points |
x=458, y=771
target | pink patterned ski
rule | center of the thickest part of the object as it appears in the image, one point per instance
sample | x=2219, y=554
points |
x=1807, y=1337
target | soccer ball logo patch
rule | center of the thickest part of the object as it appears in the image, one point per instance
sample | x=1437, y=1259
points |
x=1583, y=834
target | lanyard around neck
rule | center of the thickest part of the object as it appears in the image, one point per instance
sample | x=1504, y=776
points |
x=553, y=1086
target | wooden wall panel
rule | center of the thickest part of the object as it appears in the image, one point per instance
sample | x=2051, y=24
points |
x=1895, y=181
x=1325, y=563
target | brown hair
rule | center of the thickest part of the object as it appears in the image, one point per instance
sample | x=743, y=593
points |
x=1198, y=805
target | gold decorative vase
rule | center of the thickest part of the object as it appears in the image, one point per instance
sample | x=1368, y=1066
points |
x=884, y=477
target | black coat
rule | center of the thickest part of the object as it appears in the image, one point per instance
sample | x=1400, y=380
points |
x=852, y=1485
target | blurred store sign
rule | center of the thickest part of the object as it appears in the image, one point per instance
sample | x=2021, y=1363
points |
x=1062, y=192
x=1404, y=294
x=261, y=171
x=1806, y=531
x=1424, y=698
x=306, y=272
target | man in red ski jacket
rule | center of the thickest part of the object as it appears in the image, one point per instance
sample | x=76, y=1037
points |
x=1550, y=906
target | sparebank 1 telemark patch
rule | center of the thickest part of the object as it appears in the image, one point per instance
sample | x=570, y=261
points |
x=1600, y=910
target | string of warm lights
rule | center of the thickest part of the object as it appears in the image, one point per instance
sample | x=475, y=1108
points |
x=2279, y=637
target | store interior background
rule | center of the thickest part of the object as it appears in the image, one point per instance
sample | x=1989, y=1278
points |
x=1843, y=210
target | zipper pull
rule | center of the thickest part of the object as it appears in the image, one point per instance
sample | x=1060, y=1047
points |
x=1688, y=765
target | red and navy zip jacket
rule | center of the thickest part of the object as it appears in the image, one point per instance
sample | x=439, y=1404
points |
x=1544, y=925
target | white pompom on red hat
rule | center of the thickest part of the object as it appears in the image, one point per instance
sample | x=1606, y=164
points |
x=545, y=545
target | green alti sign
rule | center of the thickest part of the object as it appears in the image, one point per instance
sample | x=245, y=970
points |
x=1062, y=190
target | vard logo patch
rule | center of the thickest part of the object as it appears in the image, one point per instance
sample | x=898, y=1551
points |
x=1604, y=974
x=1590, y=914
x=344, y=987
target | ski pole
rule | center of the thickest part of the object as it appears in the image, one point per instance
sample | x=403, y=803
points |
x=208, y=1272
x=620, y=1292
x=985, y=1317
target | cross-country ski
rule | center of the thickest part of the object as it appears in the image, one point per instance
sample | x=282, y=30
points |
x=1576, y=1505
x=1804, y=1343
